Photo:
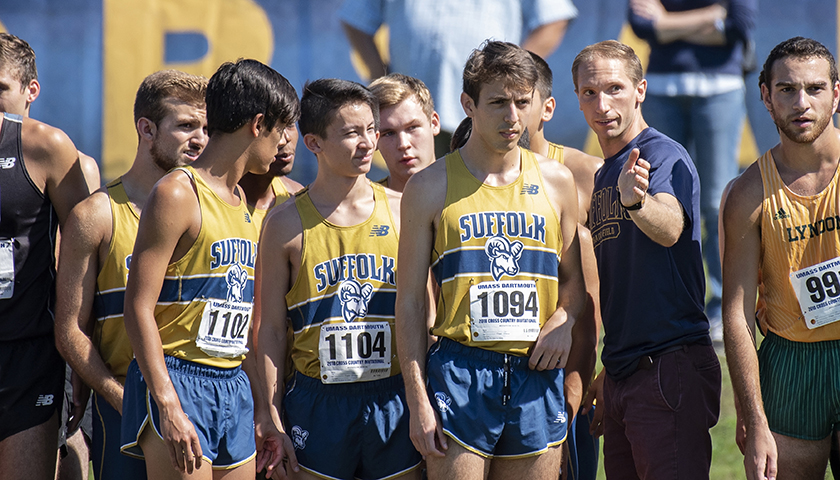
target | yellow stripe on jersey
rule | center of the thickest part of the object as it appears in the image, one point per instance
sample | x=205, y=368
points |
x=555, y=151
x=347, y=275
x=282, y=194
x=490, y=233
x=796, y=232
x=109, y=335
x=218, y=266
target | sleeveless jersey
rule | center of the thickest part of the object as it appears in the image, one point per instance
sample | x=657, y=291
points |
x=384, y=181
x=109, y=333
x=346, y=285
x=555, y=151
x=28, y=225
x=496, y=256
x=797, y=232
x=282, y=194
x=212, y=286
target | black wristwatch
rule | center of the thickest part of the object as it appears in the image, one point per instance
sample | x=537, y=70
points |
x=636, y=206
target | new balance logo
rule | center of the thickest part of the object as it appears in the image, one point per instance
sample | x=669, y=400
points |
x=44, y=400
x=7, y=163
x=561, y=417
x=379, y=231
x=530, y=189
x=781, y=214
x=247, y=217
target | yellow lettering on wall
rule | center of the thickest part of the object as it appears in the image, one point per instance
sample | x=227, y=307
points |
x=134, y=33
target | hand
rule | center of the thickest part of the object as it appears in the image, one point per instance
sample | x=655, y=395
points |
x=633, y=181
x=648, y=9
x=760, y=456
x=81, y=394
x=274, y=449
x=181, y=440
x=426, y=432
x=595, y=399
x=551, y=350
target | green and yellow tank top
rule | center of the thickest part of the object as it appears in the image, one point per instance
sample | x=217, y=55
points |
x=342, y=303
x=205, y=305
x=555, y=151
x=496, y=257
x=800, y=259
x=282, y=194
x=109, y=335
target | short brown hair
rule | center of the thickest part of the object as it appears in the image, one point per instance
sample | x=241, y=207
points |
x=395, y=88
x=157, y=87
x=499, y=61
x=18, y=58
x=610, y=49
x=798, y=47
x=545, y=78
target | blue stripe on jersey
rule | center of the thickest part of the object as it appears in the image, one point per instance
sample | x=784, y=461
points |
x=381, y=304
x=109, y=304
x=465, y=261
x=188, y=289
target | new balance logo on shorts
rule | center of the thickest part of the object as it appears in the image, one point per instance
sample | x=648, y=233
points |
x=530, y=189
x=379, y=231
x=44, y=401
x=7, y=163
x=561, y=417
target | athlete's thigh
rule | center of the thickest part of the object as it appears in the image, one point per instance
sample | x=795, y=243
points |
x=802, y=459
x=159, y=464
x=301, y=475
x=246, y=471
x=540, y=467
x=30, y=454
x=458, y=463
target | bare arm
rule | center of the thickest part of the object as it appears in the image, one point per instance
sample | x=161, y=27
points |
x=583, y=167
x=661, y=218
x=170, y=221
x=694, y=26
x=365, y=46
x=280, y=240
x=422, y=202
x=87, y=229
x=741, y=263
x=545, y=39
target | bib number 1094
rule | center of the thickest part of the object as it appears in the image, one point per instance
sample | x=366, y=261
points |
x=504, y=311
x=504, y=303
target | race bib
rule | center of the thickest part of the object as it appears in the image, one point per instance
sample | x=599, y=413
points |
x=818, y=290
x=355, y=351
x=223, y=331
x=7, y=269
x=504, y=311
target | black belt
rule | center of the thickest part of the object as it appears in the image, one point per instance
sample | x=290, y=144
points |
x=646, y=361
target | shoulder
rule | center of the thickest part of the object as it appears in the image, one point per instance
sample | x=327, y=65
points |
x=581, y=163
x=291, y=185
x=90, y=169
x=656, y=147
x=91, y=218
x=44, y=143
x=282, y=223
x=745, y=196
x=554, y=172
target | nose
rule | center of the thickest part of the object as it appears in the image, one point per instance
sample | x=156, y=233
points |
x=512, y=114
x=368, y=140
x=803, y=102
x=601, y=103
x=403, y=141
x=200, y=138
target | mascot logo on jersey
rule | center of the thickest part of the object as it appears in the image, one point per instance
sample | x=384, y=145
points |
x=299, y=437
x=236, y=279
x=504, y=256
x=354, y=299
x=443, y=402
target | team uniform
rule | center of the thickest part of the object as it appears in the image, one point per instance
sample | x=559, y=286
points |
x=345, y=410
x=799, y=359
x=662, y=385
x=111, y=339
x=203, y=315
x=28, y=222
x=496, y=257
x=280, y=192
x=583, y=446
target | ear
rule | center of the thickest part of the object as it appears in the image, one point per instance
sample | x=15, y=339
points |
x=548, y=109
x=765, y=98
x=836, y=96
x=32, y=91
x=313, y=143
x=146, y=129
x=256, y=125
x=467, y=104
x=435, y=123
x=641, y=91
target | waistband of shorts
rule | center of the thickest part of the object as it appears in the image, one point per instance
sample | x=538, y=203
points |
x=394, y=382
x=196, y=369
x=475, y=353
x=802, y=346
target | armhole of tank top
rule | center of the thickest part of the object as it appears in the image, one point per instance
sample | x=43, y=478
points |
x=379, y=190
x=538, y=169
x=113, y=225
x=298, y=198
x=765, y=161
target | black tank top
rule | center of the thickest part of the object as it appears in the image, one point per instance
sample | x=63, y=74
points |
x=28, y=219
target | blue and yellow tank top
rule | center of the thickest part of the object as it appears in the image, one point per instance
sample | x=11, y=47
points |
x=496, y=257
x=109, y=334
x=799, y=288
x=282, y=194
x=204, y=309
x=342, y=303
x=555, y=151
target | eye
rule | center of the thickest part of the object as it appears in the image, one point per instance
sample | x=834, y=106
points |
x=386, y=133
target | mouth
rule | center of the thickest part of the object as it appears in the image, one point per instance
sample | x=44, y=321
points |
x=192, y=154
x=509, y=134
x=802, y=122
x=606, y=122
x=407, y=160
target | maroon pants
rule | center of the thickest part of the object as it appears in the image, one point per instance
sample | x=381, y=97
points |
x=657, y=420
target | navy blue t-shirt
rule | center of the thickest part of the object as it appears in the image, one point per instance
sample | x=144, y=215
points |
x=651, y=296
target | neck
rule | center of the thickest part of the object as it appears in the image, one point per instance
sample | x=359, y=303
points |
x=224, y=160
x=539, y=144
x=141, y=178
x=482, y=160
x=611, y=146
x=258, y=189
x=397, y=183
x=810, y=157
x=332, y=189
